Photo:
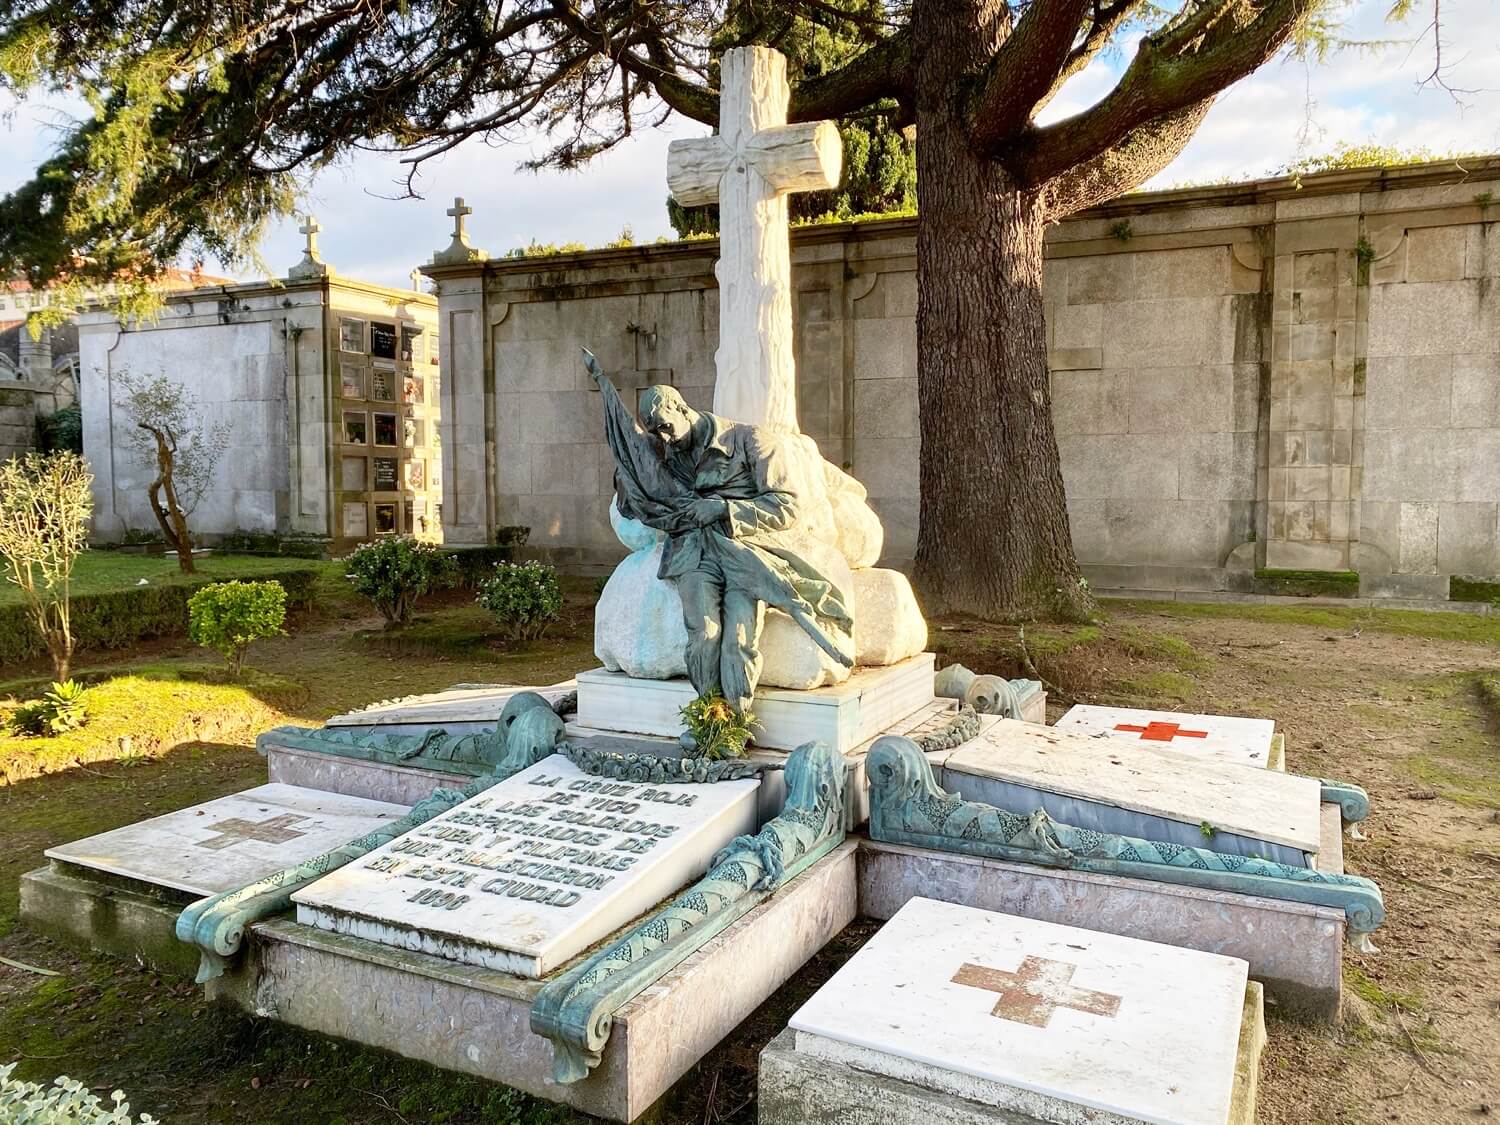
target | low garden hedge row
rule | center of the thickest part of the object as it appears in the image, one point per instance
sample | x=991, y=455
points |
x=119, y=618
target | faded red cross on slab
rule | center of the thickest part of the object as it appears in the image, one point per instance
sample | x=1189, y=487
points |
x=277, y=830
x=1158, y=731
x=1034, y=991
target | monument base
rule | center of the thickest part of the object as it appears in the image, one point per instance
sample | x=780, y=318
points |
x=107, y=914
x=843, y=716
x=475, y=1020
x=800, y=1089
x=1295, y=949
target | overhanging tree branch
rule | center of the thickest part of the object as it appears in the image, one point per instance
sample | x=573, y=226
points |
x=1108, y=18
x=1144, y=152
x=1025, y=68
x=1162, y=81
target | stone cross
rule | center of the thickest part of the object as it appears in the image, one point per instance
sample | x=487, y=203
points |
x=1034, y=991
x=416, y=280
x=749, y=168
x=459, y=250
x=459, y=212
x=311, y=265
x=310, y=227
x=277, y=830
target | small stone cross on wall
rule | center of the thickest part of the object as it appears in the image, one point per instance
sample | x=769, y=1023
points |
x=459, y=212
x=1034, y=991
x=749, y=168
x=276, y=830
x=310, y=228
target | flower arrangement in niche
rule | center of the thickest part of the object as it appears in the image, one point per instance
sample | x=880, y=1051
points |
x=715, y=728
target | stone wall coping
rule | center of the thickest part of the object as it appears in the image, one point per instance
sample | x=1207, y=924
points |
x=270, y=287
x=1248, y=193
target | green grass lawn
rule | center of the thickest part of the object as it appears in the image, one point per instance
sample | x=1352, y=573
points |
x=98, y=572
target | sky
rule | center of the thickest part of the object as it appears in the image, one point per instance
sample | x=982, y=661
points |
x=1284, y=111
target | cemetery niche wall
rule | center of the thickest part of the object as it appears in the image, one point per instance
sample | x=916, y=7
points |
x=330, y=388
x=1270, y=375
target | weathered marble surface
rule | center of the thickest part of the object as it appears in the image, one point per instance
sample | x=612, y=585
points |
x=476, y=1021
x=638, y=627
x=1031, y=1016
x=536, y=868
x=1225, y=738
x=748, y=168
x=1261, y=805
x=230, y=841
x=888, y=625
x=1296, y=949
x=844, y=715
x=465, y=703
x=798, y=1089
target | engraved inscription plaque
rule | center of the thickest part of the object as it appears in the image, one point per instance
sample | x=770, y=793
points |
x=535, y=869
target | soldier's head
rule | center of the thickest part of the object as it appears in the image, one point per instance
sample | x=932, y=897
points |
x=665, y=415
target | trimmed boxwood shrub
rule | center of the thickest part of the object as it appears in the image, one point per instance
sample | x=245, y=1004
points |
x=120, y=618
x=523, y=597
x=227, y=616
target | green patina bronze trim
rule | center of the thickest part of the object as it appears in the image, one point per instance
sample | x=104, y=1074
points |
x=960, y=729
x=662, y=770
x=576, y=1009
x=908, y=807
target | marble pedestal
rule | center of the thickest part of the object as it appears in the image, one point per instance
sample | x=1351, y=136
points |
x=845, y=715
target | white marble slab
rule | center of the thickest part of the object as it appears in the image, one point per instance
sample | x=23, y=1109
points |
x=868, y=703
x=1224, y=738
x=1260, y=804
x=1064, y=1024
x=230, y=841
x=533, y=870
x=467, y=703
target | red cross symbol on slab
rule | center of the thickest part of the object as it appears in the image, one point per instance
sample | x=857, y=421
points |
x=1034, y=991
x=1157, y=731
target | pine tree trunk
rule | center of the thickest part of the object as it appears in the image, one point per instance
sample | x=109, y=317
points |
x=994, y=538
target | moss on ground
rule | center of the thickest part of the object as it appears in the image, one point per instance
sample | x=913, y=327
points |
x=1429, y=625
x=1155, y=689
x=1373, y=992
x=1307, y=583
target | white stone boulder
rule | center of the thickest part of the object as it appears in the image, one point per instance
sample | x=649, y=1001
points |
x=638, y=625
x=792, y=659
x=860, y=535
x=888, y=626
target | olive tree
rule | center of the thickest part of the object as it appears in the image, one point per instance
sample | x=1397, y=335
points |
x=45, y=505
x=172, y=441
